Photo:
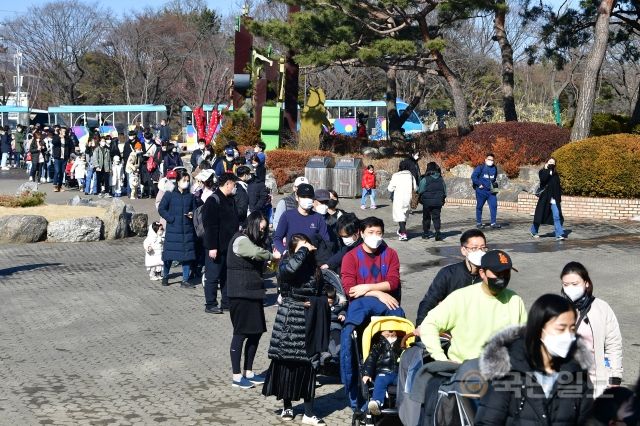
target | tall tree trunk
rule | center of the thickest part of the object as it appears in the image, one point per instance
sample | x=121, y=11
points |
x=393, y=125
x=587, y=95
x=459, y=101
x=291, y=86
x=506, y=51
x=635, y=117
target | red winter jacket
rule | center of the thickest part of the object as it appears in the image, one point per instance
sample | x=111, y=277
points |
x=368, y=179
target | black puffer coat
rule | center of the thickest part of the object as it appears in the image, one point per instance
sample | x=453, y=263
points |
x=432, y=190
x=514, y=396
x=551, y=184
x=296, y=276
x=383, y=357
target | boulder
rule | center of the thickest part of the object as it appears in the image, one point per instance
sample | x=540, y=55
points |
x=115, y=220
x=462, y=171
x=271, y=184
x=27, y=187
x=458, y=187
x=383, y=178
x=79, y=201
x=371, y=152
x=23, y=228
x=387, y=151
x=139, y=224
x=77, y=230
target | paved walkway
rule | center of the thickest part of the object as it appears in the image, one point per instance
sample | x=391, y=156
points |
x=86, y=338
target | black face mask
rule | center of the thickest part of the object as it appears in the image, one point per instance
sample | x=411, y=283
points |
x=496, y=285
x=332, y=204
x=551, y=167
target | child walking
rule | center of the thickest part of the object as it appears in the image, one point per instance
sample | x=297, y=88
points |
x=382, y=366
x=368, y=187
x=79, y=171
x=153, y=246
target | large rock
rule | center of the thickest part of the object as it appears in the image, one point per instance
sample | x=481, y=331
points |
x=79, y=201
x=383, y=178
x=23, y=229
x=27, y=187
x=77, y=230
x=458, y=187
x=271, y=184
x=462, y=171
x=139, y=224
x=115, y=221
x=371, y=152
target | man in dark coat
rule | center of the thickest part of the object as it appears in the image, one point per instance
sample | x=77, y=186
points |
x=220, y=219
x=412, y=165
x=242, y=194
x=165, y=131
x=548, y=210
x=62, y=146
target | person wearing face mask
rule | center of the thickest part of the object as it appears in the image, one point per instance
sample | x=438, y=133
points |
x=102, y=166
x=537, y=374
x=381, y=367
x=333, y=212
x=132, y=169
x=320, y=206
x=412, y=165
x=289, y=202
x=474, y=313
x=227, y=164
x=242, y=195
x=548, y=210
x=483, y=179
x=348, y=232
x=473, y=245
x=177, y=207
x=259, y=199
x=172, y=159
x=597, y=325
x=372, y=268
x=303, y=220
x=153, y=245
x=198, y=154
x=220, y=218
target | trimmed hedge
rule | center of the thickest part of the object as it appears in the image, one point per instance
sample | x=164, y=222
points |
x=287, y=164
x=604, y=166
x=514, y=144
x=26, y=199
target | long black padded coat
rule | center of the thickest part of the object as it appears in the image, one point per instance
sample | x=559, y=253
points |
x=296, y=276
x=180, y=235
x=551, y=184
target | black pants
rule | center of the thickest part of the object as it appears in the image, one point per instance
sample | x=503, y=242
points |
x=429, y=214
x=215, y=276
x=104, y=180
x=250, y=349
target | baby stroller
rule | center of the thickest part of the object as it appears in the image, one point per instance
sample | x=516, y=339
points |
x=70, y=182
x=405, y=328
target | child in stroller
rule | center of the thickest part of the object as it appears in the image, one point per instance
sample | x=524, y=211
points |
x=338, y=305
x=70, y=180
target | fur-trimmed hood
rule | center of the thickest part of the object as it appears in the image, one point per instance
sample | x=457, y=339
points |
x=505, y=352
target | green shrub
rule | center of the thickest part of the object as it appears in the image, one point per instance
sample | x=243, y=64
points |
x=26, y=199
x=608, y=124
x=603, y=166
x=239, y=127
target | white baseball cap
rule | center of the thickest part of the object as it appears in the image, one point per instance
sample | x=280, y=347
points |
x=204, y=175
x=299, y=181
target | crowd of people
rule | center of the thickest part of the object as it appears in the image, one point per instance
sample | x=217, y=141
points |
x=547, y=365
x=222, y=224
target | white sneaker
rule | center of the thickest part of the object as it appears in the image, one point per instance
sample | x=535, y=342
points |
x=313, y=420
x=287, y=415
x=363, y=207
x=374, y=407
x=30, y=178
x=42, y=180
x=373, y=207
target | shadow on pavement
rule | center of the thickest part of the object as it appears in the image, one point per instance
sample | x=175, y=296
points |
x=23, y=268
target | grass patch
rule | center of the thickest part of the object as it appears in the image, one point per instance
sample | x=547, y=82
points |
x=26, y=199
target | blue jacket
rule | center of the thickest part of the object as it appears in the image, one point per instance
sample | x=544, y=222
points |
x=484, y=176
x=359, y=314
x=180, y=236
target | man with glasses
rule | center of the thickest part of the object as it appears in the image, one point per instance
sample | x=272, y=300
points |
x=473, y=243
x=475, y=313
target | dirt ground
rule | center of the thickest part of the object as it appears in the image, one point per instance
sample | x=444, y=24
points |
x=55, y=212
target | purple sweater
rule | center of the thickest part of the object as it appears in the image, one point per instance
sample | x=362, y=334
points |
x=292, y=222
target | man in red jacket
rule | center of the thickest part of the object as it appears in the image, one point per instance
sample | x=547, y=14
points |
x=373, y=268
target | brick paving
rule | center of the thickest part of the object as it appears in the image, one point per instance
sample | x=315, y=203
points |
x=86, y=338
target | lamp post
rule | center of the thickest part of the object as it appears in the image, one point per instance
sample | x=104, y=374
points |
x=17, y=79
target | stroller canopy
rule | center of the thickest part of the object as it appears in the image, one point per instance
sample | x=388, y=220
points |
x=385, y=323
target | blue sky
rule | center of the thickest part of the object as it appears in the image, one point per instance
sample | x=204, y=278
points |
x=12, y=9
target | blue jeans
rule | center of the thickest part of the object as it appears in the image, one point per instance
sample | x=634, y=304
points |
x=368, y=192
x=556, y=222
x=483, y=196
x=59, y=166
x=186, y=269
x=90, y=182
x=381, y=384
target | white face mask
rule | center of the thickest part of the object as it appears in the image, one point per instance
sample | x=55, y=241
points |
x=415, y=157
x=305, y=203
x=348, y=241
x=392, y=340
x=489, y=163
x=183, y=185
x=160, y=233
x=559, y=344
x=475, y=257
x=201, y=147
x=102, y=143
x=234, y=190
x=373, y=241
x=229, y=157
x=322, y=209
x=169, y=186
x=574, y=292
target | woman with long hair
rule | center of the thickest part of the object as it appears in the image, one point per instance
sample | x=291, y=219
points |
x=597, y=325
x=538, y=374
x=296, y=345
x=248, y=252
